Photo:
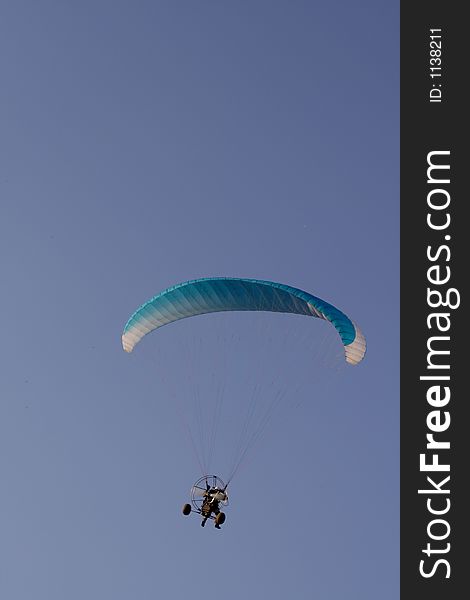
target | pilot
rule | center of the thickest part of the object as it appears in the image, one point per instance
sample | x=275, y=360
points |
x=210, y=505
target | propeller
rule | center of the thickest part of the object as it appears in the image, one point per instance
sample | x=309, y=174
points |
x=200, y=492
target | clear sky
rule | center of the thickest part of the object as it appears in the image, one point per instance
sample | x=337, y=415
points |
x=146, y=143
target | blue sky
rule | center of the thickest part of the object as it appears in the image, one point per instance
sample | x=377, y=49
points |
x=147, y=143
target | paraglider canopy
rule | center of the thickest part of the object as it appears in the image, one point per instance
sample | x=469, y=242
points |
x=217, y=294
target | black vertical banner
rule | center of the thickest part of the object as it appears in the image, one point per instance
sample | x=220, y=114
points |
x=435, y=264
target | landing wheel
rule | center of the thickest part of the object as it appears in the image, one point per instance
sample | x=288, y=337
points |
x=186, y=509
x=220, y=518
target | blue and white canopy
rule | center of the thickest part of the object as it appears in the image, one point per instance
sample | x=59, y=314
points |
x=217, y=294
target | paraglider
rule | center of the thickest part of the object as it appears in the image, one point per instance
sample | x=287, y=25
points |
x=221, y=294
x=206, y=498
